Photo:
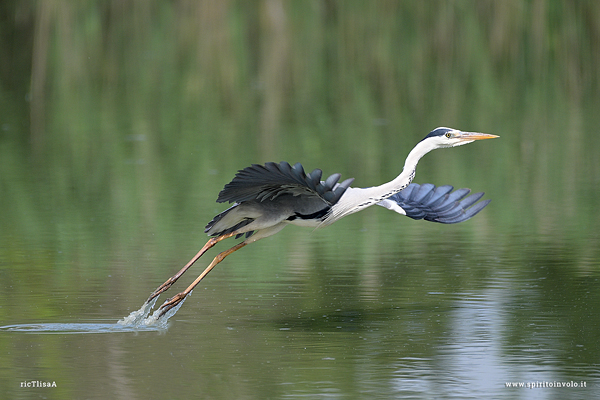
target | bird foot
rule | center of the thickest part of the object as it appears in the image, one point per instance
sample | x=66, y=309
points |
x=171, y=303
x=162, y=288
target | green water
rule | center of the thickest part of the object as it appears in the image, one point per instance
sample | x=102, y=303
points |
x=121, y=121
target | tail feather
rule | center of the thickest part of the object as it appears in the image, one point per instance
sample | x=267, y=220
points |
x=219, y=225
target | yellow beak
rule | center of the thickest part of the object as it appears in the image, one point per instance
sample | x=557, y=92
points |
x=475, y=136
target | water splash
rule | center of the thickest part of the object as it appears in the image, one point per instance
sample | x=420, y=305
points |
x=136, y=318
x=76, y=328
x=142, y=317
x=137, y=321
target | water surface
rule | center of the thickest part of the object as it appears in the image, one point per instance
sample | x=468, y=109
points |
x=439, y=315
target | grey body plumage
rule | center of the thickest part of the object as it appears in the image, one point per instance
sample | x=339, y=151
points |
x=277, y=192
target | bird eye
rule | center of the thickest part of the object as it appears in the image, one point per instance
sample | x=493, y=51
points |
x=448, y=135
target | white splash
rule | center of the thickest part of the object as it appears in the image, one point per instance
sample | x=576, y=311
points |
x=142, y=317
x=135, y=318
x=137, y=321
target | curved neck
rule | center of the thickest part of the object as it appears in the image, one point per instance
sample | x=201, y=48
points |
x=410, y=167
x=422, y=148
x=355, y=199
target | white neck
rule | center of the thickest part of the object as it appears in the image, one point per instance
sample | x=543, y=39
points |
x=410, y=167
x=356, y=199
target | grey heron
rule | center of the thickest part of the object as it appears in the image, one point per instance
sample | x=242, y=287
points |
x=268, y=197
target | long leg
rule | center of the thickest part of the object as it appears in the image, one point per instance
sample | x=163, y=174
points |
x=211, y=242
x=173, y=301
x=259, y=234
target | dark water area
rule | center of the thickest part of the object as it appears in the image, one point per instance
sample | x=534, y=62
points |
x=120, y=122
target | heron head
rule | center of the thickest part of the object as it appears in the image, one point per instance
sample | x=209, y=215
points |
x=448, y=137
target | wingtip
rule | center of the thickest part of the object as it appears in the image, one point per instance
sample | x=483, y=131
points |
x=439, y=204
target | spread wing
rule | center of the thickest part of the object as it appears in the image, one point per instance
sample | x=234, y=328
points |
x=267, y=182
x=435, y=204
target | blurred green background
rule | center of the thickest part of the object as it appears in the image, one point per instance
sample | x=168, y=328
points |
x=143, y=110
x=121, y=120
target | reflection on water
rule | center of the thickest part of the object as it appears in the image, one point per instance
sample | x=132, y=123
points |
x=428, y=318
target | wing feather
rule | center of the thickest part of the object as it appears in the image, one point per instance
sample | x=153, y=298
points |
x=268, y=181
x=436, y=204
